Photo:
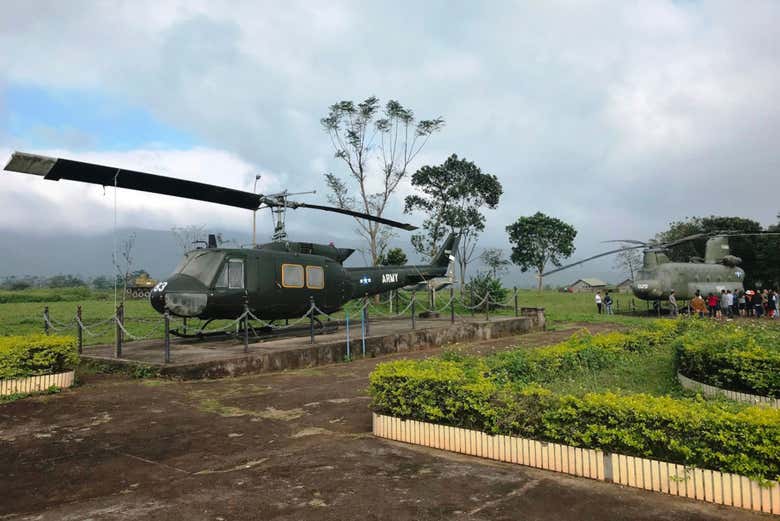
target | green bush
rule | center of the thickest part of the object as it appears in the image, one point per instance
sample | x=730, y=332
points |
x=582, y=351
x=485, y=284
x=743, y=358
x=32, y=355
x=690, y=432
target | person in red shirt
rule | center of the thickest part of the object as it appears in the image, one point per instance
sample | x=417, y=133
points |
x=712, y=303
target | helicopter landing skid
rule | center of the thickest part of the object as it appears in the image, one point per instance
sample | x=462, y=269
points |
x=262, y=333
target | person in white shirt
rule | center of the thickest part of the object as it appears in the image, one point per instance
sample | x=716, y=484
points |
x=673, y=303
x=598, y=301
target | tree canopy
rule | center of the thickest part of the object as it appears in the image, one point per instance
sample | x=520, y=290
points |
x=453, y=196
x=393, y=257
x=538, y=240
x=377, y=146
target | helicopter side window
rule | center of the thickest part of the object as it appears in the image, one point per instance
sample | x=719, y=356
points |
x=315, y=277
x=235, y=274
x=292, y=275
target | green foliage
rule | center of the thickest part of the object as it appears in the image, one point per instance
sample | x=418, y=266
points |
x=50, y=295
x=501, y=394
x=452, y=195
x=494, y=259
x=538, y=240
x=739, y=357
x=36, y=355
x=485, y=284
x=393, y=257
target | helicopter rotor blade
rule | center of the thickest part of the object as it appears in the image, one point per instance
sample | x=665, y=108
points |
x=54, y=169
x=682, y=240
x=359, y=215
x=628, y=241
x=567, y=266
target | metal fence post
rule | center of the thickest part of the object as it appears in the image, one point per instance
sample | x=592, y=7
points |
x=246, y=327
x=365, y=316
x=486, y=298
x=516, y=308
x=167, y=342
x=184, y=325
x=363, y=327
x=46, y=320
x=311, y=320
x=79, y=329
x=346, y=315
x=471, y=301
x=120, y=321
x=414, y=301
x=452, y=304
x=397, y=302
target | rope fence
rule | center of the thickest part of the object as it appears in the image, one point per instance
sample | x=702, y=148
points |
x=160, y=328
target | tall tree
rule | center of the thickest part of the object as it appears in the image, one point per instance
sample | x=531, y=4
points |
x=377, y=146
x=629, y=262
x=453, y=195
x=494, y=259
x=538, y=240
x=393, y=257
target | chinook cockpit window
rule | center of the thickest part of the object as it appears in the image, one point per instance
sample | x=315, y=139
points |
x=232, y=275
x=201, y=265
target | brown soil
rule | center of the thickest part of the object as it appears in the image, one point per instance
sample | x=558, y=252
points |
x=294, y=445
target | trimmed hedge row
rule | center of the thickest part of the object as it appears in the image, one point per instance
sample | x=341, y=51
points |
x=582, y=351
x=744, y=358
x=32, y=355
x=494, y=395
x=691, y=432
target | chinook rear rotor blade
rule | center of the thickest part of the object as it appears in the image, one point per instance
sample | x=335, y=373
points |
x=591, y=258
x=54, y=169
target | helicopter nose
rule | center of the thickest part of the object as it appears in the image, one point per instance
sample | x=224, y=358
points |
x=181, y=295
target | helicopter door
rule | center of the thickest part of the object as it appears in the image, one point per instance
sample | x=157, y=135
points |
x=231, y=287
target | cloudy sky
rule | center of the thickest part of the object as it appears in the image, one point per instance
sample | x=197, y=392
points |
x=617, y=117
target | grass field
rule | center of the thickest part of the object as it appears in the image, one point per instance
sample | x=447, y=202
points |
x=18, y=316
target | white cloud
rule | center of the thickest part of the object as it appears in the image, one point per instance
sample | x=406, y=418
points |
x=616, y=116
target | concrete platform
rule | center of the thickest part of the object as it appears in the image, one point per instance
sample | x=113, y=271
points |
x=215, y=359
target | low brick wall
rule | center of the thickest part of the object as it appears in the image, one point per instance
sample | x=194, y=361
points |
x=717, y=392
x=658, y=476
x=35, y=384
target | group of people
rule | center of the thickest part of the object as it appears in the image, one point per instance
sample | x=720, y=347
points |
x=729, y=304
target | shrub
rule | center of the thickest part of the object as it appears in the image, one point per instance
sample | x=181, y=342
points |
x=690, y=432
x=484, y=284
x=739, y=358
x=36, y=355
x=582, y=351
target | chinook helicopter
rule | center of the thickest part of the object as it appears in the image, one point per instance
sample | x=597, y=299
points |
x=658, y=276
x=277, y=280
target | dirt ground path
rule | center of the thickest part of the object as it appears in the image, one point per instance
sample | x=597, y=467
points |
x=293, y=445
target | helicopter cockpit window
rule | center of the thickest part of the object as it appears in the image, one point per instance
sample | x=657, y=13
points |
x=315, y=277
x=292, y=275
x=235, y=272
x=200, y=265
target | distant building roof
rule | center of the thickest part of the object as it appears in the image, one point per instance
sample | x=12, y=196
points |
x=626, y=282
x=592, y=282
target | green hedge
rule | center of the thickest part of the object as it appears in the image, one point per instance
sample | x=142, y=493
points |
x=500, y=394
x=743, y=358
x=36, y=355
x=582, y=351
x=691, y=432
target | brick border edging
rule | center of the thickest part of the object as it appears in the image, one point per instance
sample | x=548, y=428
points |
x=659, y=476
x=35, y=384
x=717, y=392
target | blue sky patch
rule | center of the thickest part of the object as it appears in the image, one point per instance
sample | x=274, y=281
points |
x=37, y=117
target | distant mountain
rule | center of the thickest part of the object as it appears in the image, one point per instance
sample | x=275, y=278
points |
x=88, y=255
x=158, y=252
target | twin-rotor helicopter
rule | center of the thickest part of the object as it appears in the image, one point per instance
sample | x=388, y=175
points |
x=277, y=280
x=718, y=270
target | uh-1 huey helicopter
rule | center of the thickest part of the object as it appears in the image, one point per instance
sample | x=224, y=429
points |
x=658, y=276
x=277, y=280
